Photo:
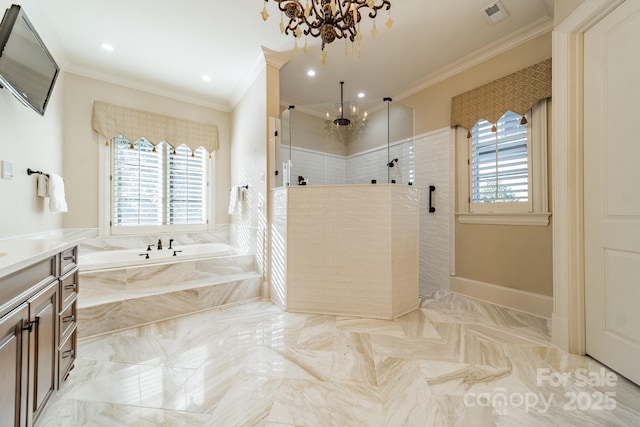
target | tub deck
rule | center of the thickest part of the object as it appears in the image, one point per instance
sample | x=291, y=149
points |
x=115, y=298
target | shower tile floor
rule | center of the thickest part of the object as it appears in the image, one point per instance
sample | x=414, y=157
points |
x=453, y=362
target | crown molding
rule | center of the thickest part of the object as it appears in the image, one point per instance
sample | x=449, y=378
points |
x=273, y=58
x=151, y=89
x=529, y=32
x=266, y=57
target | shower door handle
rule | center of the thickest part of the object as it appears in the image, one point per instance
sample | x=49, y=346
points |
x=432, y=188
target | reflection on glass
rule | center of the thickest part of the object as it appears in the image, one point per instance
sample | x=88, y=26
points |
x=376, y=145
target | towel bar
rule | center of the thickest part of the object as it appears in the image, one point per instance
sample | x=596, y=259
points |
x=31, y=172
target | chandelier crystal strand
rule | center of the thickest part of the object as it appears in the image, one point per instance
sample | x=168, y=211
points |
x=328, y=19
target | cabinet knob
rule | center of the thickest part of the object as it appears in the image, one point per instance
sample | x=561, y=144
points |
x=68, y=319
x=71, y=287
x=67, y=354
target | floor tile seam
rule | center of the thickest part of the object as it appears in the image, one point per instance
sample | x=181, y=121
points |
x=508, y=331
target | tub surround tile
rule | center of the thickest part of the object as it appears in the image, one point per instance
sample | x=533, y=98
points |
x=140, y=308
x=99, y=287
x=109, y=243
x=255, y=365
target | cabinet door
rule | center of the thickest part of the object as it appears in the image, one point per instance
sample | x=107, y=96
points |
x=13, y=367
x=43, y=315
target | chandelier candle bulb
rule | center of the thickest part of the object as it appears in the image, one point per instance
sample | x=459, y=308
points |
x=328, y=19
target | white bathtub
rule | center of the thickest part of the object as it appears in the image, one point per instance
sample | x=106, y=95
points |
x=137, y=257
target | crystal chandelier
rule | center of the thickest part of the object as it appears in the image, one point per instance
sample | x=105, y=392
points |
x=327, y=19
x=348, y=125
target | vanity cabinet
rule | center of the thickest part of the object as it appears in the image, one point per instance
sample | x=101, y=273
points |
x=37, y=336
x=67, y=315
x=42, y=330
x=13, y=367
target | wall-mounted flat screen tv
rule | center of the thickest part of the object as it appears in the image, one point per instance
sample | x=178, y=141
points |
x=27, y=68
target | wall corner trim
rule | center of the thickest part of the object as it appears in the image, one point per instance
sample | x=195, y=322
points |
x=527, y=302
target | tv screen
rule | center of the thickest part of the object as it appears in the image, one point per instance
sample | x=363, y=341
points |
x=26, y=66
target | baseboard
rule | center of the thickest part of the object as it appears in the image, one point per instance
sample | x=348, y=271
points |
x=528, y=302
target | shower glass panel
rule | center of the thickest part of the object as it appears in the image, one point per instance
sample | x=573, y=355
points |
x=283, y=154
x=377, y=145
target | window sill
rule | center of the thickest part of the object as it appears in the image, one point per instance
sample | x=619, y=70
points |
x=540, y=219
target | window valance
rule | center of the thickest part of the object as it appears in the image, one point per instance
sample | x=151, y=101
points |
x=517, y=92
x=110, y=120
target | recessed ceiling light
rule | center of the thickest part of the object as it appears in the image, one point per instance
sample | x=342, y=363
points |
x=106, y=46
x=311, y=73
x=361, y=95
x=206, y=78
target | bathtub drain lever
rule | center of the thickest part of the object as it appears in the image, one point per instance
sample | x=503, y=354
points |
x=175, y=252
x=146, y=256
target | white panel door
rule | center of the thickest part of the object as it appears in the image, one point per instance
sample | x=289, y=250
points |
x=612, y=189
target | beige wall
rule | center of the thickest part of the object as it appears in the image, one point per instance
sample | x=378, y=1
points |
x=81, y=143
x=516, y=257
x=249, y=160
x=29, y=140
x=563, y=8
x=392, y=125
x=308, y=131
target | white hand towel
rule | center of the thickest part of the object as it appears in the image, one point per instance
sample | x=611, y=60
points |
x=233, y=200
x=42, y=186
x=57, y=202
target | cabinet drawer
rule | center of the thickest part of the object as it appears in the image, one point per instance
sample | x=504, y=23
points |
x=68, y=288
x=15, y=288
x=68, y=319
x=66, y=357
x=68, y=260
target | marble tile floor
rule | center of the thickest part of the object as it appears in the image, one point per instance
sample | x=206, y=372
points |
x=453, y=362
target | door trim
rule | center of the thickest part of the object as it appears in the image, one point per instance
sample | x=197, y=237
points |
x=568, y=318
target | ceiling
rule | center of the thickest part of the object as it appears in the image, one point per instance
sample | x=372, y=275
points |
x=166, y=47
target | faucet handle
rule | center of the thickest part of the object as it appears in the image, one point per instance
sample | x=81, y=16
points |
x=148, y=247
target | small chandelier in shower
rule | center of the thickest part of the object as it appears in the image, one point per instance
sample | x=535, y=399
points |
x=348, y=125
x=327, y=19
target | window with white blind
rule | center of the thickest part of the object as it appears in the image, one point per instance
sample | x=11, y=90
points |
x=499, y=162
x=158, y=186
x=502, y=175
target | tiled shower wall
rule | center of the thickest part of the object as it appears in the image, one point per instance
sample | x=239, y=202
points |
x=327, y=169
x=424, y=161
x=349, y=250
x=433, y=157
